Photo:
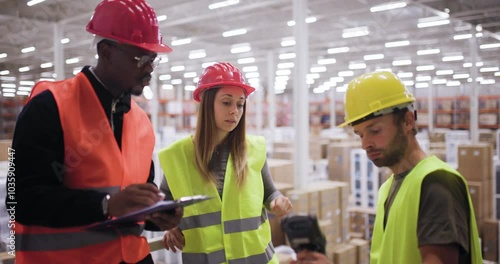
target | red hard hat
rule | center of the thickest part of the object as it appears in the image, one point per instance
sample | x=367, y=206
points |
x=221, y=73
x=132, y=22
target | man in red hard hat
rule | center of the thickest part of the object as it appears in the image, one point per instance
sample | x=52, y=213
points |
x=84, y=150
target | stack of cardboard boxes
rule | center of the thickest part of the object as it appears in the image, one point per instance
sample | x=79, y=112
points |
x=475, y=163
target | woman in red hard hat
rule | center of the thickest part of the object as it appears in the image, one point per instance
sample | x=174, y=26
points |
x=84, y=150
x=220, y=160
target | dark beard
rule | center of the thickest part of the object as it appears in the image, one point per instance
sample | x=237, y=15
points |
x=395, y=152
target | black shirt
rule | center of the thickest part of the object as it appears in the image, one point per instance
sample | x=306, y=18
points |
x=38, y=141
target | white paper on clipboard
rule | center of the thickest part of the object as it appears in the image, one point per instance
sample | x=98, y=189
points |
x=139, y=215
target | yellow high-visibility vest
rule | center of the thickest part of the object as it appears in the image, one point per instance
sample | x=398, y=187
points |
x=234, y=229
x=398, y=243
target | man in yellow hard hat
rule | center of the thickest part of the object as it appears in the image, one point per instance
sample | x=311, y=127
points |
x=424, y=211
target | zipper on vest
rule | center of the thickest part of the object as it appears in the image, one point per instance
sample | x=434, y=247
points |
x=113, y=111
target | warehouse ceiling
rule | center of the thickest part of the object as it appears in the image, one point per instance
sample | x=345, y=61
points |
x=396, y=37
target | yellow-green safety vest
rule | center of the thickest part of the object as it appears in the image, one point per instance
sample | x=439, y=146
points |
x=398, y=243
x=233, y=230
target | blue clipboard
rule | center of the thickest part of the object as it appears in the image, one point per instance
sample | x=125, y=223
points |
x=140, y=215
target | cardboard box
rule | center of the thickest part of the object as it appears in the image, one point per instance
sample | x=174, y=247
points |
x=283, y=153
x=343, y=254
x=281, y=170
x=4, y=149
x=362, y=250
x=490, y=239
x=339, y=161
x=299, y=200
x=475, y=162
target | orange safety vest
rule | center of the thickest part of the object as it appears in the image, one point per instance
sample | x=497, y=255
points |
x=92, y=160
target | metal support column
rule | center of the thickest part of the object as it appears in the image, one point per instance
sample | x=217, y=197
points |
x=153, y=84
x=474, y=107
x=333, y=113
x=58, y=51
x=271, y=96
x=301, y=94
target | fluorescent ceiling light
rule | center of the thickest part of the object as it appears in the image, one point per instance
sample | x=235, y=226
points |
x=235, y=32
x=72, y=61
x=341, y=89
x=28, y=49
x=461, y=76
x=283, y=72
x=488, y=81
x=469, y=64
x=408, y=83
x=338, y=50
x=246, y=60
x=26, y=83
x=337, y=79
x=249, y=75
x=179, y=42
x=250, y=69
x=444, y=72
x=197, y=54
x=346, y=73
x=430, y=22
x=439, y=81
x=223, y=4
x=3, y=55
x=405, y=74
x=428, y=52
x=8, y=85
x=286, y=65
x=326, y=61
x=453, y=83
x=165, y=77
x=286, y=42
x=190, y=74
x=240, y=48
x=387, y=6
x=357, y=66
x=397, y=44
x=161, y=18
x=496, y=73
x=421, y=85
x=176, y=81
x=423, y=78
x=317, y=69
x=24, y=69
x=4, y=72
x=65, y=41
x=8, y=90
x=453, y=58
x=9, y=94
x=177, y=68
x=373, y=56
x=285, y=56
x=167, y=86
x=355, y=32
x=77, y=70
x=24, y=88
x=189, y=87
x=488, y=69
x=425, y=68
x=46, y=65
x=206, y=64
x=312, y=76
x=490, y=46
x=34, y=2
x=401, y=62
x=462, y=36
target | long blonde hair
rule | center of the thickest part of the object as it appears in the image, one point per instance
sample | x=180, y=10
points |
x=205, y=141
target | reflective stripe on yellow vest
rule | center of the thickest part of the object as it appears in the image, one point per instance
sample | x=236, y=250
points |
x=398, y=243
x=232, y=230
x=93, y=161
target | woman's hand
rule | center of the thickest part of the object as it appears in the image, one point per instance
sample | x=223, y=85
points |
x=173, y=239
x=280, y=206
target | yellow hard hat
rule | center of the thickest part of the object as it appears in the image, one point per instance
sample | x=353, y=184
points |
x=374, y=94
